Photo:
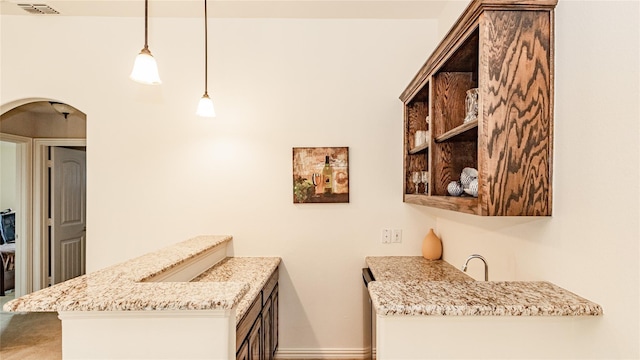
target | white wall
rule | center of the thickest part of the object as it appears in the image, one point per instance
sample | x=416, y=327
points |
x=157, y=174
x=8, y=175
x=449, y=14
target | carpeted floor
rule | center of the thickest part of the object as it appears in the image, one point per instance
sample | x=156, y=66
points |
x=30, y=336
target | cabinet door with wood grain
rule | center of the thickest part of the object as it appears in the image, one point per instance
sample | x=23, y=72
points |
x=274, y=321
x=243, y=353
x=267, y=325
x=255, y=341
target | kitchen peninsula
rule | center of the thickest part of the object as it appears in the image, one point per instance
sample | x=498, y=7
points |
x=186, y=301
x=430, y=309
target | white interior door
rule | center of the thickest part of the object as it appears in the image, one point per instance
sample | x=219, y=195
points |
x=68, y=213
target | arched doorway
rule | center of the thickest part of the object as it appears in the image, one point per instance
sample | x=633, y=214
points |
x=37, y=127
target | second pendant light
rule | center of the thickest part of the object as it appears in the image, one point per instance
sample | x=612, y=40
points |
x=205, y=106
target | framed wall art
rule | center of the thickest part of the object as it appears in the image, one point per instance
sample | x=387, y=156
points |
x=320, y=175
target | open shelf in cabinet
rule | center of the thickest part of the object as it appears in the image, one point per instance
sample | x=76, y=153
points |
x=465, y=204
x=455, y=145
x=416, y=156
x=465, y=132
x=419, y=148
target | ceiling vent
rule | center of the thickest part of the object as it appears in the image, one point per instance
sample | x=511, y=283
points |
x=38, y=9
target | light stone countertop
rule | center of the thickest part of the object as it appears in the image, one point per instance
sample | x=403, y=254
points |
x=254, y=271
x=412, y=268
x=411, y=285
x=121, y=287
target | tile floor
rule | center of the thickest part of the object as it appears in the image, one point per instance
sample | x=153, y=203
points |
x=31, y=336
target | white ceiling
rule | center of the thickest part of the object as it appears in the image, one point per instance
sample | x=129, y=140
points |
x=385, y=9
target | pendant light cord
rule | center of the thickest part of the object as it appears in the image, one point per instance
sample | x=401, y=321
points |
x=146, y=21
x=205, y=48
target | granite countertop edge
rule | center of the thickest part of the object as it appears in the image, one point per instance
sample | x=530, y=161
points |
x=121, y=287
x=413, y=286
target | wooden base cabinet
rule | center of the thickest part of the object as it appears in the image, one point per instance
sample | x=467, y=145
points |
x=243, y=353
x=257, y=332
x=251, y=347
x=270, y=325
x=504, y=49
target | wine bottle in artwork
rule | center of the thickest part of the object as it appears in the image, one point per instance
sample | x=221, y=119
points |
x=327, y=176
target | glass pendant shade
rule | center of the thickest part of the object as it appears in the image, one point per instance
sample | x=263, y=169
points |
x=145, y=69
x=205, y=107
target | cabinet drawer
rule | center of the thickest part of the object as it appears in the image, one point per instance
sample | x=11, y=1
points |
x=268, y=287
x=244, y=326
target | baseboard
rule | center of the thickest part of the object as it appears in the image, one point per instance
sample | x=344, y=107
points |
x=326, y=353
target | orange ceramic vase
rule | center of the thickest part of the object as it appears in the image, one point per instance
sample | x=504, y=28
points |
x=431, y=246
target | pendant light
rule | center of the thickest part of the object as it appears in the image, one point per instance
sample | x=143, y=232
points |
x=205, y=106
x=64, y=109
x=145, y=69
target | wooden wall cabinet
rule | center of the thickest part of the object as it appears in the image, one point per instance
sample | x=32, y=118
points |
x=505, y=49
x=257, y=332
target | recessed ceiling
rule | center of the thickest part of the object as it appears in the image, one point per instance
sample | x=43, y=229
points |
x=386, y=9
x=44, y=108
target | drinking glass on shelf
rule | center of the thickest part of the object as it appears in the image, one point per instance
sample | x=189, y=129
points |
x=416, y=176
x=471, y=105
x=424, y=175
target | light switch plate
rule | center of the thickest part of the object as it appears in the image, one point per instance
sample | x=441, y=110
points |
x=396, y=236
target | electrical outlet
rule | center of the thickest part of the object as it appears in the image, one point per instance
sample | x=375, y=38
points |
x=396, y=236
x=385, y=237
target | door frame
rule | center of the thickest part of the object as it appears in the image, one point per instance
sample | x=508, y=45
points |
x=24, y=229
x=41, y=204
